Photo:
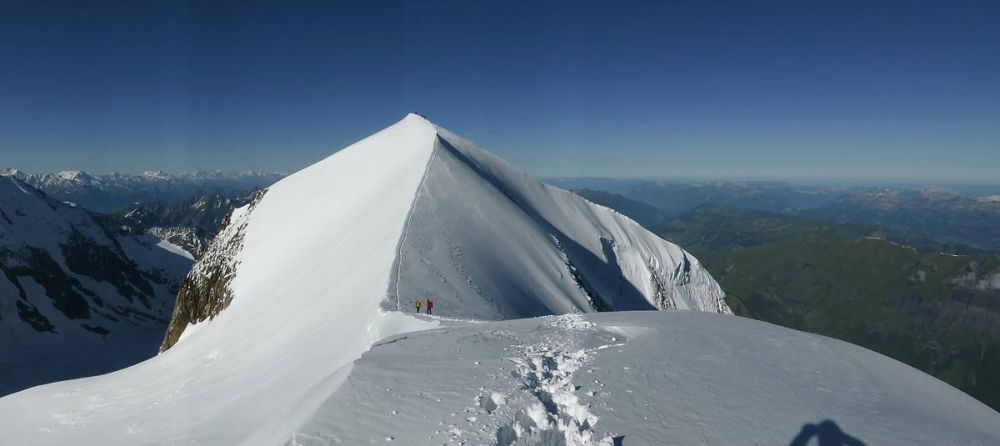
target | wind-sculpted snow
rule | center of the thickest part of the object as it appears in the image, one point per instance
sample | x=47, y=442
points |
x=637, y=378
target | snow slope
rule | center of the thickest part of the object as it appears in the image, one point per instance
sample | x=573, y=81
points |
x=75, y=299
x=298, y=283
x=487, y=241
x=638, y=378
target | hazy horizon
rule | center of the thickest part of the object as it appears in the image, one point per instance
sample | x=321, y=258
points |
x=893, y=91
x=887, y=182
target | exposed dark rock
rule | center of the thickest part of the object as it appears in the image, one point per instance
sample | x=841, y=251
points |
x=29, y=314
x=96, y=329
x=59, y=287
x=205, y=292
x=103, y=264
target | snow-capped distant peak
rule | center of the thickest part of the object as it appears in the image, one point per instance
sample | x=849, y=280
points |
x=73, y=175
x=995, y=199
x=156, y=175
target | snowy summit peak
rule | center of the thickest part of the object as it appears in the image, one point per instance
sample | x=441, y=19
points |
x=415, y=115
x=435, y=215
x=74, y=175
x=414, y=119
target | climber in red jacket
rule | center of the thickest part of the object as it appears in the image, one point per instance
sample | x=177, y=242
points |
x=430, y=306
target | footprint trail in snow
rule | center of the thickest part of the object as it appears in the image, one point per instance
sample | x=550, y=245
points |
x=633, y=378
x=556, y=415
x=465, y=385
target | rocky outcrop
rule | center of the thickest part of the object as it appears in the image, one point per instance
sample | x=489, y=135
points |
x=205, y=291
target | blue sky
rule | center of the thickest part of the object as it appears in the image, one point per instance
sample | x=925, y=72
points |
x=797, y=89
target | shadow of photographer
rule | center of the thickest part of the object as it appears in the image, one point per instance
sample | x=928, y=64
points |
x=827, y=433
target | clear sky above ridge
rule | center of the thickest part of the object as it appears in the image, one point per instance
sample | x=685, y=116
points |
x=791, y=89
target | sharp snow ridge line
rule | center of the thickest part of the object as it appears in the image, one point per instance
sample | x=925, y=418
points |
x=406, y=225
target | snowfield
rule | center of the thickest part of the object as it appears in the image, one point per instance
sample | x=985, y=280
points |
x=330, y=261
x=636, y=378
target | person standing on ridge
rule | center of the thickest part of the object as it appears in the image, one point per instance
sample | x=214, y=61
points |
x=418, y=306
x=430, y=305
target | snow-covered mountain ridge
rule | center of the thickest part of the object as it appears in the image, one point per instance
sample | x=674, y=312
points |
x=480, y=237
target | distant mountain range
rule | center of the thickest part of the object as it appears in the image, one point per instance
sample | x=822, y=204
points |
x=680, y=197
x=939, y=214
x=113, y=192
x=958, y=217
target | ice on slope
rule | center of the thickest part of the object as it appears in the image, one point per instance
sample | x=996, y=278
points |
x=637, y=378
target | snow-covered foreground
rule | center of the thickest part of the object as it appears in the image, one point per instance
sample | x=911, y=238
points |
x=638, y=378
